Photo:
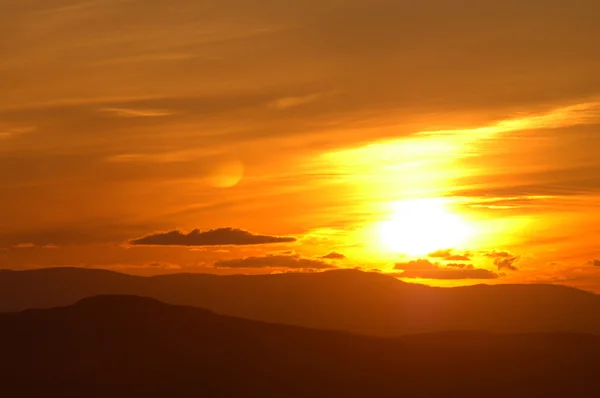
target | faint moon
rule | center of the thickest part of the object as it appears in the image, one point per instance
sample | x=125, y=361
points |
x=226, y=174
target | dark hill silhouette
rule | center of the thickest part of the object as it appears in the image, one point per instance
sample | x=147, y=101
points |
x=349, y=300
x=121, y=346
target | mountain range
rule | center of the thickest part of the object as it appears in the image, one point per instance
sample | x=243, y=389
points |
x=344, y=300
x=128, y=346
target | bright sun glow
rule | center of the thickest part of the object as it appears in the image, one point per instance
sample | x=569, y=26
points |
x=421, y=226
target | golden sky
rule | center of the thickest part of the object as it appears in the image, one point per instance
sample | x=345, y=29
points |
x=445, y=142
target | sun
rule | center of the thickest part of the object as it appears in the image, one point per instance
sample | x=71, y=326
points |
x=421, y=226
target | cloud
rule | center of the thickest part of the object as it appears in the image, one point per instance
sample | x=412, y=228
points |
x=450, y=274
x=293, y=43
x=334, y=256
x=447, y=254
x=416, y=265
x=137, y=268
x=163, y=157
x=425, y=269
x=7, y=132
x=124, y=112
x=283, y=253
x=440, y=253
x=595, y=263
x=292, y=102
x=30, y=245
x=274, y=261
x=24, y=246
x=213, y=237
x=458, y=257
x=460, y=265
x=504, y=260
x=506, y=263
x=164, y=265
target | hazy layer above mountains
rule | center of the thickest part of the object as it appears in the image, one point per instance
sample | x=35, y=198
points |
x=349, y=300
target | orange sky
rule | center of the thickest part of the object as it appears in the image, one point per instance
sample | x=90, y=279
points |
x=379, y=131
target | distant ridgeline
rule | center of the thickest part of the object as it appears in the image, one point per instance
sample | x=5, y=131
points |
x=349, y=300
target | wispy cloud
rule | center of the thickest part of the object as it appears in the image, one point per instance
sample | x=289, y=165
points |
x=449, y=255
x=34, y=246
x=504, y=260
x=7, y=131
x=565, y=116
x=124, y=112
x=24, y=246
x=163, y=157
x=334, y=256
x=275, y=261
x=425, y=269
x=167, y=56
x=293, y=102
x=78, y=6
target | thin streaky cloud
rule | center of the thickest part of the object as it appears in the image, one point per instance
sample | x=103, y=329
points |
x=293, y=102
x=9, y=132
x=275, y=261
x=124, y=112
x=565, y=116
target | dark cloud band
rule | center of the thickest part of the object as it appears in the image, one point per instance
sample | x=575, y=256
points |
x=213, y=237
x=275, y=261
x=425, y=269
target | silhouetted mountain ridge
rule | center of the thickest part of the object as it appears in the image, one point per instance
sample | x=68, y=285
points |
x=129, y=346
x=350, y=300
x=108, y=302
